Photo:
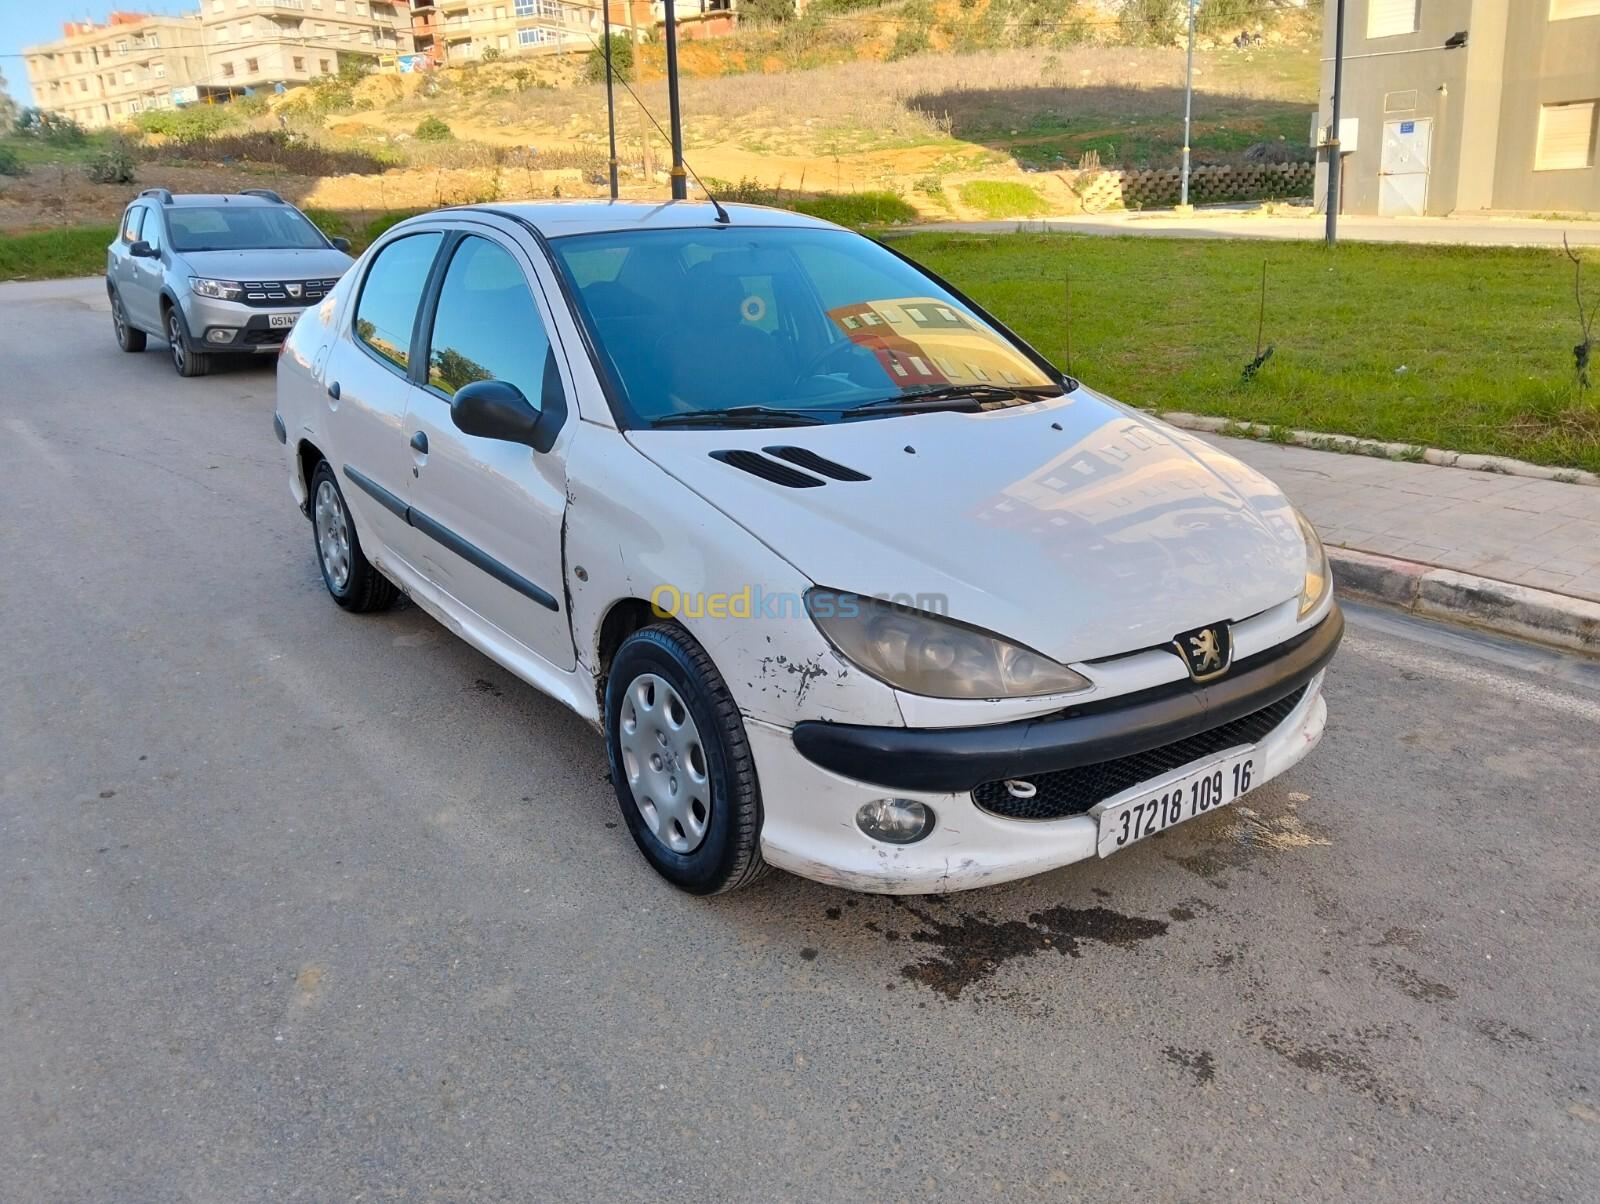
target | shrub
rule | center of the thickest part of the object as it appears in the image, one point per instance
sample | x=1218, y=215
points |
x=276, y=148
x=112, y=164
x=54, y=128
x=594, y=66
x=431, y=129
x=189, y=124
x=767, y=12
x=909, y=41
x=1150, y=22
x=10, y=164
x=491, y=54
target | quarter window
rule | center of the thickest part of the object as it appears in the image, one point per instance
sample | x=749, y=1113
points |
x=387, y=310
x=487, y=325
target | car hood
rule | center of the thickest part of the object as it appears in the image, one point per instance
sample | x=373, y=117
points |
x=276, y=263
x=1076, y=526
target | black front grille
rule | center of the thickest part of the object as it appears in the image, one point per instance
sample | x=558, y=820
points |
x=1064, y=792
x=272, y=294
x=265, y=337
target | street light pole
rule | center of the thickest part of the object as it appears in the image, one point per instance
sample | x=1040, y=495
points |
x=1188, y=108
x=611, y=103
x=1332, y=143
x=680, y=181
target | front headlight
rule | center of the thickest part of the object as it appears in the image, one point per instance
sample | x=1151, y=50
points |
x=922, y=653
x=1319, y=577
x=222, y=290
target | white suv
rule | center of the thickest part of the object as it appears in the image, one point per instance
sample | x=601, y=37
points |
x=853, y=581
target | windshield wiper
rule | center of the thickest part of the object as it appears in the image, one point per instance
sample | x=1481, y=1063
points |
x=943, y=397
x=740, y=416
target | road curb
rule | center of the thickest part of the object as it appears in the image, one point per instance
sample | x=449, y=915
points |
x=1502, y=606
x=1352, y=445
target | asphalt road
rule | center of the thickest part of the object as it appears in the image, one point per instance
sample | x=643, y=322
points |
x=304, y=906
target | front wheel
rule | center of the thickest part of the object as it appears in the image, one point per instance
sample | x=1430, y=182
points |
x=348, y=574
x=681, y=763
x=185, y=359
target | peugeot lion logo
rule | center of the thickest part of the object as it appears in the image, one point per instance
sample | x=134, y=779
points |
x=1206, y=651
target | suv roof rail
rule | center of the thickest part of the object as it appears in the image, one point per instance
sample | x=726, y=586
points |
x=164, y=195
x=265, y=194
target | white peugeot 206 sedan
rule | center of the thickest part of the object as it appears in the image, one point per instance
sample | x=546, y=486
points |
x=854, y=582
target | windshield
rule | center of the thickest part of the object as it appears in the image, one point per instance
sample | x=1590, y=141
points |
x=814, y=320
x=241, y=228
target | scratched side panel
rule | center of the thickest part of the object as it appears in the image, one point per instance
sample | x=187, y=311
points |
x=631, y=527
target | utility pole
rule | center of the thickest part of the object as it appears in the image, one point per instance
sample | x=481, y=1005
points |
x=611, y=102
x=646, y=159
x=1334, y=161
x=680, y=179
x=1188, y=109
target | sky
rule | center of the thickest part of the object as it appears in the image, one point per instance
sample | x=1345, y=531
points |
x=29, y=22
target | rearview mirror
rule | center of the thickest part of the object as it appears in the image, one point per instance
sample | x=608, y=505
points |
x=143, y=250
x=341, y=244
x=497, y=409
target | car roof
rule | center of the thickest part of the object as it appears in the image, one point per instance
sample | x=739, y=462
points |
x=554, y=219
x=180, y=200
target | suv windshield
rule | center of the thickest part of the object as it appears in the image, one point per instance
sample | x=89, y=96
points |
x=241, y=228
x=814, y=320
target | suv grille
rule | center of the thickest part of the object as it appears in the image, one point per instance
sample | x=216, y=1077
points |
x=1064, y=792
x=266, y=294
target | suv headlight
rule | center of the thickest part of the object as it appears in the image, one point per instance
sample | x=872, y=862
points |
x=922, y=653
x=1319, y=577
x=222, y=290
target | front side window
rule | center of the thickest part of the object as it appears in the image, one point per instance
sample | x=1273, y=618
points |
x=810, y=319
x=242, y=228
x=487, y=326
x=387, y=309
x=131, y=223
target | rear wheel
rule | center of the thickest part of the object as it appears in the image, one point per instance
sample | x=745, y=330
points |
x=187, y=361
x=349, y=576
x=681, y=763
x=128, y=338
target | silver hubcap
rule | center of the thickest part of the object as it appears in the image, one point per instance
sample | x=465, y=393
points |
x=116, y=316
x=175, y=338
x=333, y=535
x=665, y=763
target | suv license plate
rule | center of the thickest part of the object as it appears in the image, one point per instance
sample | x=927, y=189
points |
x=281, y=321
x=1202, y=790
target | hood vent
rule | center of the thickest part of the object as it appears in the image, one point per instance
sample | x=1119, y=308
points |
x=820, y=465
x=758, y=465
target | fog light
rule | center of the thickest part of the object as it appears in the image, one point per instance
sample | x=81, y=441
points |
x=895, y=820
x=220, y=334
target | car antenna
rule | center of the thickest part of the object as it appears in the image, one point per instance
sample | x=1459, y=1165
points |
x=722, y=214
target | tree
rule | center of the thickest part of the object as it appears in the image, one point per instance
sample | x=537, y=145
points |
x=594, y=66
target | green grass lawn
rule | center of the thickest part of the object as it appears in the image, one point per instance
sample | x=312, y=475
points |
x=47, y=254
x=1455, y=347
x=1000, y=199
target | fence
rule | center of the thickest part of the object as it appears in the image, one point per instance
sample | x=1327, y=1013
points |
x=1130, y=189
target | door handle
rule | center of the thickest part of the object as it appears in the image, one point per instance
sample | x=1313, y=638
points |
x=333, y=390
x=419, y=443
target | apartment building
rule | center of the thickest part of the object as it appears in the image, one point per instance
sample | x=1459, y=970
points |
x=1459, y=105
x=254, y=44
x=101, y=74
x=457, y=31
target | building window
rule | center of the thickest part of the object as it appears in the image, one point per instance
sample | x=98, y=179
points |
x=227, y=70
x=252, y=66
x=322, y=65
x=1562, y=10
x=1389, y=18
x=534, y=37
x=222, y=33
x=1566, y=137
x=158, y=69
x=127, y=76
x=299, y=63
x=153, y=41
x=244, y=29
x=77, y=57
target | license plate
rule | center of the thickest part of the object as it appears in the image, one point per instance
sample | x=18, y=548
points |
x=1196, y=793
x=281, y=321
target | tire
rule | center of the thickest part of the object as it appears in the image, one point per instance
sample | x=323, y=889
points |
x=186, y=360
x=128, y=338
x=655, y=667
x=351, y=580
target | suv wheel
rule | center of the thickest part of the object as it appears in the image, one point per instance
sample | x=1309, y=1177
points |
x=348, y=574
x=187, y=361
x=681, y=764
x=128, y=338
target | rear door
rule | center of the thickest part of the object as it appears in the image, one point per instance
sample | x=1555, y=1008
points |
x=120, y=266
x=367, y=388
x=492, y=510
x=143, y=297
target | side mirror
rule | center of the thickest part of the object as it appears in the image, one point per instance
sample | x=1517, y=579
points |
x=497, y=409
x=341, y=244
x=143, y=250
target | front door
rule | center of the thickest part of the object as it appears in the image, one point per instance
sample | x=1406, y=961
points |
x=1403, y=167
x=492, y=510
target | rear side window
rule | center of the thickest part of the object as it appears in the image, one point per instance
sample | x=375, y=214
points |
x=387, y=309
x=487, y=326
x=131, y=222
